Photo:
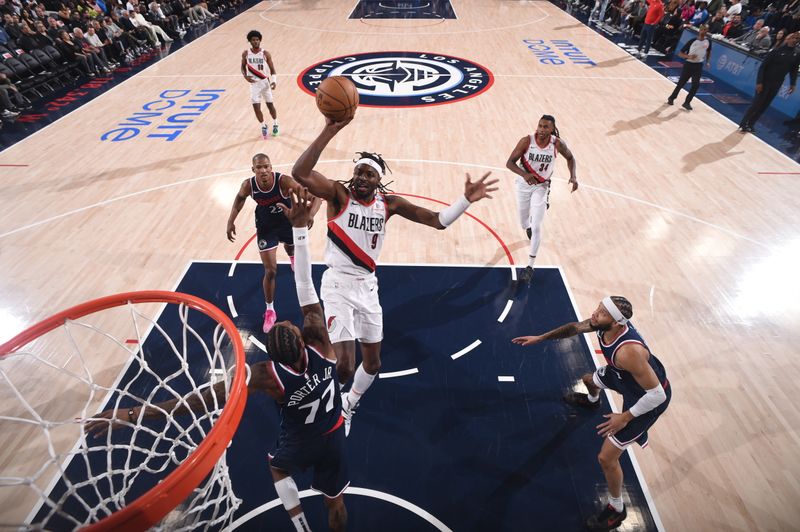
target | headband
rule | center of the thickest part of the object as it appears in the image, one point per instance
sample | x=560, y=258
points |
x=612, y=309
x=370, y=162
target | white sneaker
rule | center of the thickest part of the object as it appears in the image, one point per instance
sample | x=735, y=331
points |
x=347, y=413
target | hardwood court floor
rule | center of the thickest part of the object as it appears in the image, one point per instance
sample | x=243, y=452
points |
x=691, y=221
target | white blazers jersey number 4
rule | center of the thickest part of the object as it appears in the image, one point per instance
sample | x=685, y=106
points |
x=355, y=236
x=256, y=64
x=539, y=160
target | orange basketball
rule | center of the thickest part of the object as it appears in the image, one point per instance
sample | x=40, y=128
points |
x=337, y=98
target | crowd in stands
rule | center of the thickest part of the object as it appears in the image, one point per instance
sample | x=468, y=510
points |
x=756, y=25
x=50, y=44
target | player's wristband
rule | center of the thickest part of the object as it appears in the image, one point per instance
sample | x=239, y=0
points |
x=273, y=78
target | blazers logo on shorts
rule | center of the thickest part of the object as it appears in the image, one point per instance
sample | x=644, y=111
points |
x=403, y=79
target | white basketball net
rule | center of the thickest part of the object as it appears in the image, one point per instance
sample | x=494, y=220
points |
x=53, y=385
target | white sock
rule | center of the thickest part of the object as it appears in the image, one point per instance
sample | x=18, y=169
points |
x=361, y=383
x=593, y=398
x=616, y=503
x=531, y=260
x=270, y=306
x=301, y=523
x=274, y=121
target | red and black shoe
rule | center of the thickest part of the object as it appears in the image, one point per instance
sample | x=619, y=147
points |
x=608, y=519
x=581, y=400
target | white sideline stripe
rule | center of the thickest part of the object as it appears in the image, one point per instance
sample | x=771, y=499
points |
x=505, y=378
x=648, y=497
x=505, y=311
x=397, y=501
x=257, y=343
x=230, y=306
x=466, y=350
x=392, y=374
x=513, y=273
x=233, y=267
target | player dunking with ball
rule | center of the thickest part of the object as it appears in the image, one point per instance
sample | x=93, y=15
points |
x=533, y=160
x=255, y=62
x=633, y=372
x=357, y=214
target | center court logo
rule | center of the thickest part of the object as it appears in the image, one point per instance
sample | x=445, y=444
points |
x=402, y=79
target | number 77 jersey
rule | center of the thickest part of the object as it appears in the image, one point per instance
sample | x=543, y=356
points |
x=311, y=404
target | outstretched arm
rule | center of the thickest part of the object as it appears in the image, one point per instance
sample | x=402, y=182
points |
x=314, y=330
x=238, y=203
x=565, y=331
x=563, y=150
x=440, y=220
x=261, y=380
x=303, y=171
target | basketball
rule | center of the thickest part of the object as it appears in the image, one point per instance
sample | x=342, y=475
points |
x=337, y=98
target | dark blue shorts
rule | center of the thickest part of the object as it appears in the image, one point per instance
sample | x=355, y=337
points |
x=635, y=431
x=324, y=453
x=269, y=237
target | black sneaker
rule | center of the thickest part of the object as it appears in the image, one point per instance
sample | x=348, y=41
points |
x=526, y=275
x=686, y=106
x=581, y=400
x=608, y=519
x=670, y=101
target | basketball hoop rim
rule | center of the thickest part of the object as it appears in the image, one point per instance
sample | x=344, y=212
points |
x=151, y=507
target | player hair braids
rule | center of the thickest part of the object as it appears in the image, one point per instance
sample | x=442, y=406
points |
x=552, y=119
x=624, y=306
x=382, y=187
x=282, y=345
x=254, y=33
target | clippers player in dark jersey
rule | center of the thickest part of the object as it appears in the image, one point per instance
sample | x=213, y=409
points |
x=301, y=377
x=633, y=372
x=357, y=214
x=533, y=160
x=269, y=190
x=259, y=71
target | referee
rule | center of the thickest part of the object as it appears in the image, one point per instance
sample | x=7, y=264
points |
x=776, y=65
x=694, y=51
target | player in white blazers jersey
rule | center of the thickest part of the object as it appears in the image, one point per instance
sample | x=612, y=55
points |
x=260, y=73
x=533, y=160
x=357, y=215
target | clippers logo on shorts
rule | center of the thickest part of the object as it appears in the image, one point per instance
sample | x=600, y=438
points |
x=403, y=79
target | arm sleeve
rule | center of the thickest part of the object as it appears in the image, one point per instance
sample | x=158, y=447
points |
x=451, y=213
x=306, y=293
x=650, y=400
